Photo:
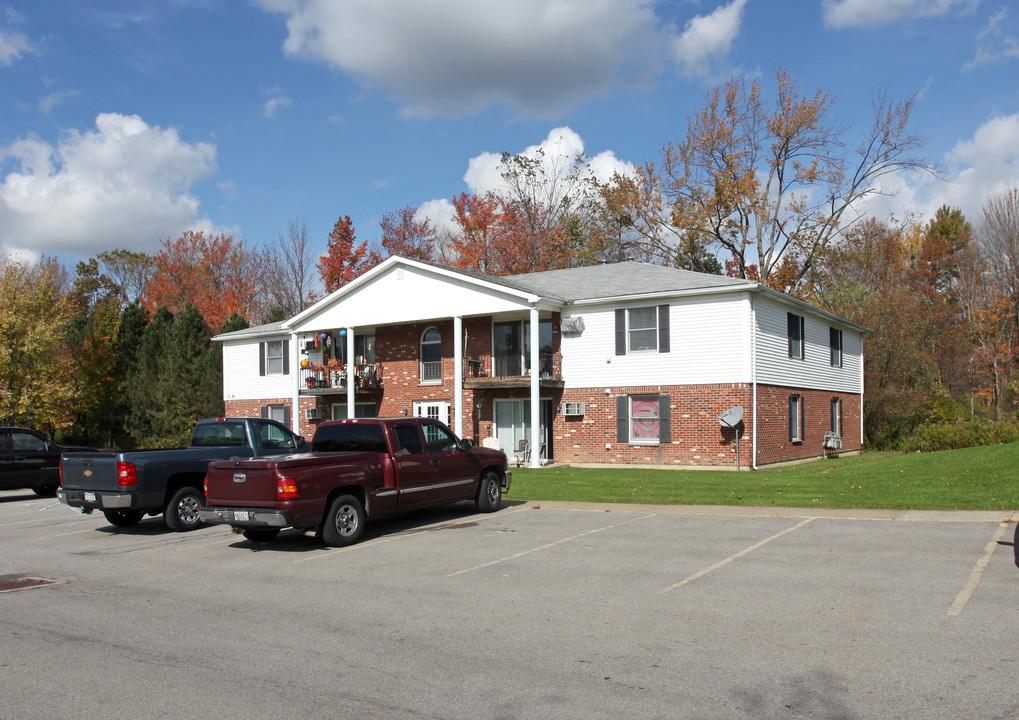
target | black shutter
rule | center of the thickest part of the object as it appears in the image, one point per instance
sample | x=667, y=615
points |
x=622, y=419
x=286, y=357
x=286, y=415
x=265, y=412
x=620, y=332
x=664, y=419
x=792, y=417
x=663, y=328
x=261, y=358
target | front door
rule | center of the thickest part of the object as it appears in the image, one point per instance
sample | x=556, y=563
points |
x=513, y=428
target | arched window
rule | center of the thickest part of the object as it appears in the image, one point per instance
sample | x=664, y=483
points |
x=431, y=356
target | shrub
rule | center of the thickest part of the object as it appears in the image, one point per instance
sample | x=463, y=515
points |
x=952, y=436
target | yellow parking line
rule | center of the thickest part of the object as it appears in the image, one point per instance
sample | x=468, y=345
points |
x=978, y=573
x=737, y=556
x=545, y=547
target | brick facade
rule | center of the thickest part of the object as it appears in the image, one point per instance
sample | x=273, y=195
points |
x=697, y=439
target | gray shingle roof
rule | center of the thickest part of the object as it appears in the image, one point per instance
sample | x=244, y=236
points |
x=616, y=280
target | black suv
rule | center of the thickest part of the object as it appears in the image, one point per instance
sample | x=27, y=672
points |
x=29, y=460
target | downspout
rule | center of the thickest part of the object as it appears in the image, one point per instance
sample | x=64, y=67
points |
x=861, y=391
x=458, y=376
x=753, y=380
x=295, y=399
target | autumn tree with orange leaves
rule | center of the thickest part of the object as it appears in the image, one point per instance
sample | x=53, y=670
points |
x=344, y=260
x=404, y=235
x=216, y=274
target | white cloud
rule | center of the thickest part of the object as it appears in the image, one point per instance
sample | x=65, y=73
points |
x=557, y=150
x=975, y=170
x=53, y=99
x=849, y=13
x=124, y=184
x=994, y=43
x=484, y=172
x=276, y=100
x=707, y=37
x=13, y=43
x=537, y=57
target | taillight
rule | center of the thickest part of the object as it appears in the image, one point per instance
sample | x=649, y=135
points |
x=286, y=489
x=127, y=474
x=61, y=472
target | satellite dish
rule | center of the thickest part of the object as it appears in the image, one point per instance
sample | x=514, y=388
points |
x=731, y=417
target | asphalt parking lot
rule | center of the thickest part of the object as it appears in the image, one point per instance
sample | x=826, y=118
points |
x=538, y=611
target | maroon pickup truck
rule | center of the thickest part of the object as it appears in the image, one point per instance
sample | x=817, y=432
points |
x=357, y=469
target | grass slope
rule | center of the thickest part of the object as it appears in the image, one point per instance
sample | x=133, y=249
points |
x=979, y=478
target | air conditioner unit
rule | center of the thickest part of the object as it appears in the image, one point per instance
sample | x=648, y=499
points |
x=573, y=408
x=311, y=413
x=572, y=325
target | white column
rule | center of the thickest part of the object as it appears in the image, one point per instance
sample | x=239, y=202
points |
x=351, y=372
x=458, y=376
x=295, y=368
x=535, y=392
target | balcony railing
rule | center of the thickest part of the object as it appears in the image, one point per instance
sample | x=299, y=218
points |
x=476, y=368
x=367, y=376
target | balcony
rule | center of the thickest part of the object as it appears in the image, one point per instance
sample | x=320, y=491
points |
x=319, y=380
x=488, y=372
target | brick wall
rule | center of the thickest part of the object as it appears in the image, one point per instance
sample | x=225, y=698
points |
x=696, y=436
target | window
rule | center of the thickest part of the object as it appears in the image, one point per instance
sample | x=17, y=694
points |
x=274, y=357
x=644, y=329
x=409, y=439
x=835, y=344
x=836, y=415
x=643, y=419
x=361, y=410
x=364, y=348
x=795, y=325
x=795, y=418
x=279, y=413
x=431, y=356
x=27, y=442
x=438, y=438
x=350, y=437
x=275, y=437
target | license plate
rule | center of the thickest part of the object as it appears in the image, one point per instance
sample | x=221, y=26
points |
x=90, y=497
x=241, y=515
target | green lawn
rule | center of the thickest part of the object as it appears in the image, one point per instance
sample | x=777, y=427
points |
x=981, y=478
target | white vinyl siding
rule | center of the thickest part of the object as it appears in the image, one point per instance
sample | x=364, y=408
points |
x=709, y=343
x=814, y=371
x=241, y=380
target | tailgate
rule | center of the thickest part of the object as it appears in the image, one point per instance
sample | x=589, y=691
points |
x=89, y=471
x=240, y=484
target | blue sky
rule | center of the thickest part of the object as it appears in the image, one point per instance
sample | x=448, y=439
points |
x=126, y=123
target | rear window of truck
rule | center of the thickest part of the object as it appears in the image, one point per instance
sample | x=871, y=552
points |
x=219, y=434
x=350, y=438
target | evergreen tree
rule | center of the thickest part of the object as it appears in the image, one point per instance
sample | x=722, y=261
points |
x=142, y=383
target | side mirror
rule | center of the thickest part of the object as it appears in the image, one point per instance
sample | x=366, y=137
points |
x=466, y=444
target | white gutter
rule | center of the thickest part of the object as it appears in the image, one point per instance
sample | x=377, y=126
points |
x=535, y=392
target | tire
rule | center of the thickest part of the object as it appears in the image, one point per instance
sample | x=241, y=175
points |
x=261, y=534
x=181, y=513
x=489, y=497
x=344, y=522
x=45, y=490
x=123, y=518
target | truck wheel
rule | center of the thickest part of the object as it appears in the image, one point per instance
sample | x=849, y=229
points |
x=261, y=534
x=123, y=518
x=344, y=522
x=45, y=490
x=489, y=498
x=181, y=513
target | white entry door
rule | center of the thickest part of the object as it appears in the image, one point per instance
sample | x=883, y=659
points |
x=434, y=409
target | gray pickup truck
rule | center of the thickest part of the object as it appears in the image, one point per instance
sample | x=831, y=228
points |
x=127, y=485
